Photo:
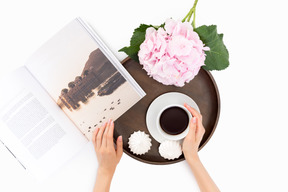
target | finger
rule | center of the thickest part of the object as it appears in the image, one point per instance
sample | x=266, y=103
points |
x=110, y=135
x=100, y=135
x=119, y=150
x=192, y=129
x=104, y=139
x=94, y=136
x=200, y=133
x=193, y=111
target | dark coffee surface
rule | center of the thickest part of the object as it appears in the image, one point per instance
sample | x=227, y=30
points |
x=174, y=120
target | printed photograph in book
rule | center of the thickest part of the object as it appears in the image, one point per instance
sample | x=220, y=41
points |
x=96, y=94
x=76, y=71
x=98, y=77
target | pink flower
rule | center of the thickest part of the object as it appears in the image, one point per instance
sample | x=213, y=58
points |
x=172, y=56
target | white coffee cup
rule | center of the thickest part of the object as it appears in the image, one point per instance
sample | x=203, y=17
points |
x=169, y=136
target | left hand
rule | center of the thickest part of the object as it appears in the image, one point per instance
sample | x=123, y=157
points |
x=108, y=157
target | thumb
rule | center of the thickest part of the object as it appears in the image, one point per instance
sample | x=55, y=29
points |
x=119, y=150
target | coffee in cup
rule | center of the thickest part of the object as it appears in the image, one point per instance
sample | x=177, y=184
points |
x=173, y=122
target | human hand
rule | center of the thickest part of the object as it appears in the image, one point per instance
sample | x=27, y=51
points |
x=192, y=140
x=190, y=149
x=108, y=157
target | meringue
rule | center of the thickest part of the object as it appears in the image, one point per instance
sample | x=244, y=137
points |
x=139, y=143
x=170, y=149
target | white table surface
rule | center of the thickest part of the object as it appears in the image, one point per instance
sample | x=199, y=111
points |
x=248, y=151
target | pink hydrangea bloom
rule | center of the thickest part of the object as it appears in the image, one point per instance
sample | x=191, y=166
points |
x=172, y=56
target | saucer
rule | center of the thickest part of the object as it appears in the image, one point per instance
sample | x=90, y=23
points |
x=159, y=103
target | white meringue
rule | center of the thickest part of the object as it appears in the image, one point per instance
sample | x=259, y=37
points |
x=170, y=149
x=139, y=143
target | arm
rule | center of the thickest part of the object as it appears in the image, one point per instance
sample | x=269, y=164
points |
x=190, y=149
x=108, y=157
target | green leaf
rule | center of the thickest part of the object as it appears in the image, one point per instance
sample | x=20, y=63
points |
x=160, y=26
x=218, y=57
x=136, y=40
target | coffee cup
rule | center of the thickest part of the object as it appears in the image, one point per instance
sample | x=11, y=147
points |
x=173, y=122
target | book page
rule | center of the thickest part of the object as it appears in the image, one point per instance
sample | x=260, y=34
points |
x=33, y=128
x=86, y=85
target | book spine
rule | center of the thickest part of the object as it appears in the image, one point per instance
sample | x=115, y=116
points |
x=111, y=57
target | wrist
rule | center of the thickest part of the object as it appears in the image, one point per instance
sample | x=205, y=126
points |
x=192, y=159
x=102, y=172
x=103, y=180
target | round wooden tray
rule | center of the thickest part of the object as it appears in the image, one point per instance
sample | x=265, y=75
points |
x=202, y=89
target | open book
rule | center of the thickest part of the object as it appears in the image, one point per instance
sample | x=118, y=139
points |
x=50, y=107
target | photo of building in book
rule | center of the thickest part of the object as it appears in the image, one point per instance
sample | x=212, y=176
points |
x=99, y=77
x=96, y=93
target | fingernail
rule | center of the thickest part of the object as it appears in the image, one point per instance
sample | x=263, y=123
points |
x=194, y=119
x=120, y=138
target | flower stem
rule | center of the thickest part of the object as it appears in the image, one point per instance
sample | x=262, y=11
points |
x=189, y=17
x=190, y=13
x=193, y=22
x=194, y=10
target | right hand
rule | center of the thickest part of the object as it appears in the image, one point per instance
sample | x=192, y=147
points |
x=193, y=139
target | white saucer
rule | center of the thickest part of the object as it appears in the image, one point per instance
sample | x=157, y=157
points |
x=160, y=102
